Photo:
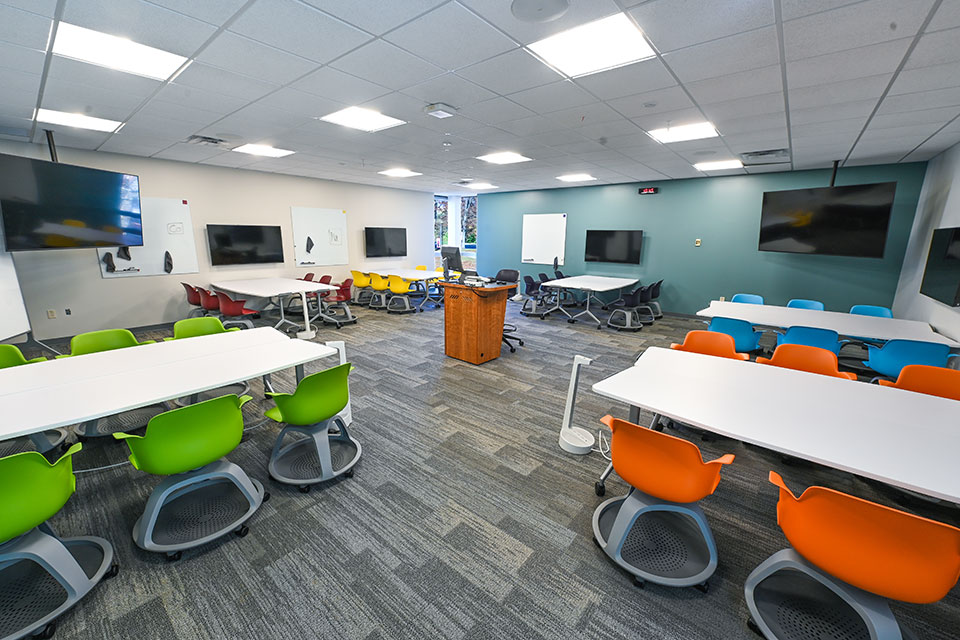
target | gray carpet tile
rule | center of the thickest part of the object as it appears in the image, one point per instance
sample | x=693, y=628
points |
x=464, y=520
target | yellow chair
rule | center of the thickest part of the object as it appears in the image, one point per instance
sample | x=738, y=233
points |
x=400, y=288
x=361, y=286
x=380, y=287
x=421, y=267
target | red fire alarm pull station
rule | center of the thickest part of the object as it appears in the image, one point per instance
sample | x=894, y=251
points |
x=646, y=191
x=184, y=202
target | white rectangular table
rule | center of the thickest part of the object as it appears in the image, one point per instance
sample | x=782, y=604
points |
x=97, y=385
x=846, y=324
x=589, y=284
x=909, y=440
x=418, y=275
x=278, y=288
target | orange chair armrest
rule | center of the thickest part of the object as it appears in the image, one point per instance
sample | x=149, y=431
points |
x=676, y=346
x=850, y=375
x=724, y=459
x=743, y=356
x=886, y=383
x=763, y=360
x=607, y=420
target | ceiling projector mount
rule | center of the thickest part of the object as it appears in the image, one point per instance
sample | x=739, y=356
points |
x=539, y=10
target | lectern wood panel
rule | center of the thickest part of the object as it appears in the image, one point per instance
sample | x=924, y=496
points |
x=473, y=318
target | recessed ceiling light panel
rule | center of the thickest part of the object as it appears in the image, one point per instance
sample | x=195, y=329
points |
x=112, y=52
x=576, y=177
x=363, y=119
x=695, y=131
x=719, y=165
x=78, y=120
x=504, y=157
x=399, y=173
x=263, y=150
x=593, y=47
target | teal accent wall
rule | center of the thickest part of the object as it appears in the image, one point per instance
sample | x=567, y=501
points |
x=724, y=212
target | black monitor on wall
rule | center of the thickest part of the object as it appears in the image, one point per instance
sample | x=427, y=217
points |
x=385, y=242
x=837, y=221
x=941, y=277
x=244, y=244
x=48, y=205
x=613, y=246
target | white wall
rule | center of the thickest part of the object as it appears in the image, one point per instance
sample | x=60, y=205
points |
x=60, y=279
x=939, y=207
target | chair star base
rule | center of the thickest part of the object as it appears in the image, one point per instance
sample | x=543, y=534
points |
x=657, y=541
x=319, y=457
x=627, y=320
x=790, y=598
x=41, y=576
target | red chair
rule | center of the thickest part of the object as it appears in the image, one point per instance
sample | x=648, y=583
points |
x=325, y=279
x=209, y=302
x=308, y=277
x=234, y=311
x=193, y=299
x=340, y=298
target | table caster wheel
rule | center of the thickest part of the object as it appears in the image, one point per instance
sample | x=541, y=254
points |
x=304, y=488
x=703, y=587
x=242, y=531
x=753, y=627
x=174, y=556
x=571, y=320
x=47, y=631
x=348, y=473
x=638, y=582
x=600, y=488
x=112, y=571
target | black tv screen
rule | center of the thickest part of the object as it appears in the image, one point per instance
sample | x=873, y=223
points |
x=244, y=244
x=941, y=277
x=836, y=221
x=47, y=205
x=613, y=246
x=383, y=242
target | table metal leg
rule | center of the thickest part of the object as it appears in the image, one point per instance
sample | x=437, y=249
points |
x=635, y=415
x=347, y=414
x=308, y=331
x=299, y=370
x=267, y=383
x=586, y=312
x=283, y=320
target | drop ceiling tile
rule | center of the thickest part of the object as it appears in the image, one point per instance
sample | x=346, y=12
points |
x=387, y=65
x=751, y=123
x=791, y=9
x=653, y=102
x=590, y=114
x=14, y=128
x=250, y=58
x=342, y=87
x=553, y=97
x=927, y=78
x=755, y=82
x=768, y=168
x=941, y=116
x=297, y=102
x=756, y=105
x=935, y=145
x=299, y=29
x=231, y=159
x=402, y=106
x=608, y=130
x=529, y=126
x=498, y=13
x=438, y=37
x=141, y=22
x=19, y=96
x=211, y=79
x=372, y=16
x=77, y=97
x=856, y=109
x=633, y=141
x=215, y=12
x=495, y=111
x=510, y=72
x=848, y=127
x=949, y=97
x=668, y=118
x=867, y=61
x=148, y=125
x=751, y=50
x=853, y=26
x=848, y=91
x=23, y=28
x=450, y=89
x=40, y=7
x=632, y=79
x=74, y=138
x=935, y=48
x=21, y=58
x=946, y=17
x=922, y=131
x=757, y=141
x=192, y=98
x=675, y=24
x=180, y=112
x=489, y=136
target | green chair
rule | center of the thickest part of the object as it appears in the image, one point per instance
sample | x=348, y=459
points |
x=41, y=574
x=311, y=410
x=205, y=326
x=110, y=340
x=205, y=497
x=11, y=356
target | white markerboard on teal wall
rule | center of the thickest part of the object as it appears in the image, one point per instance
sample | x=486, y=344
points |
x=319, y=236
x=167, y=230
x=544, y=238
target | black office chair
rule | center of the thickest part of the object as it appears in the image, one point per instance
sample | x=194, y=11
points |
x=567, y=298
x=510, y=276
x=654, y=305
x=629, y=316
x=534, y=295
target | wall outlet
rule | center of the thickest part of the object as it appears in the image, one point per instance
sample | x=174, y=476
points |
x=723, y=298
x=67, y=311
x=696, y=242
x=51, y=314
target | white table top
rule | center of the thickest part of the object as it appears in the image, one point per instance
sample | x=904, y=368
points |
x=591, y=283
x=909, y=440
x=846, y=324
x=413, y=274
x=270, y=287
x=94, y=390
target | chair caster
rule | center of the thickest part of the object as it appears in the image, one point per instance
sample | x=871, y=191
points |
x=112, y=571
x=242, y=531
x=599, y=326
x=348, y=473
x=571, y=320
x=266, y=496
x=605, y=308
x=513, y=350
x=47, y=631
x=703, y=587
x=521, y=343
x=597, y=542
x=753, y=627
x=174, y=556
x=600, y=488
x=639, y=582
x=338, y=326
x=304, y=488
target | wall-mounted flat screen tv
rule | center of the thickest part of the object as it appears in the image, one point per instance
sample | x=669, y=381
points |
x=835, y=221
x=48, y=205
x=613, y=246
x=385, y=242
x=244, y=244
x=941, y=277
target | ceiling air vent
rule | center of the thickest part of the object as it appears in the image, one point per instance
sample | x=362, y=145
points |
x=768, y=156
x=209, y=141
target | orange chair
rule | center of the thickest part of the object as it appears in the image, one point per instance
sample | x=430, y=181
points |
x=710, y=343
x=848, y=557
x=922, y=378
x=657, y=532
x=809, y=359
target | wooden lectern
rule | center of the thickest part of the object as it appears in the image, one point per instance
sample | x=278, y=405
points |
x=473, y=319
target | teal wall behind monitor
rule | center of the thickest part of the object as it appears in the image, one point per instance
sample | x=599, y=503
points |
x=724, y=212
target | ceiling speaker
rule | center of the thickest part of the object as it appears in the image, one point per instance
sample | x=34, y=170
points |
x=539, y=10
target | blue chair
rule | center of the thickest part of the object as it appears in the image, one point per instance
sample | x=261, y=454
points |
x=871, y=310
x=894, y=355
x=812, y=337
x=745, y=337
x=747, y=298
x=798, y=303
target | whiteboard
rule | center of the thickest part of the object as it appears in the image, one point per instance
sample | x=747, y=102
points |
x=319, y=236
x=13, y=318
x=544, y=238
x=167, y=226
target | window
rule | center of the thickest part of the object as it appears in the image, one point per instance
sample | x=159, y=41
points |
x=441, y=227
